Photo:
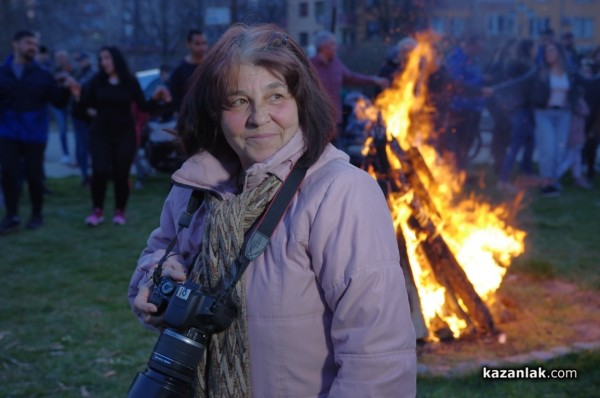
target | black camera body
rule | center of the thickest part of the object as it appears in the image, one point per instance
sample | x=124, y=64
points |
x=191, y=317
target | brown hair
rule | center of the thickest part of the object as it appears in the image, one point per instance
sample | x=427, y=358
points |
x=268, y=46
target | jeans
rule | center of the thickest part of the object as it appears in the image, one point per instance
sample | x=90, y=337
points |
x=82, y=145
x=521, y=136
x=573, y=161
x=62, y=123
x=551, y=133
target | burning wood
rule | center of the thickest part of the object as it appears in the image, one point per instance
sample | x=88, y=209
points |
x=457, y=249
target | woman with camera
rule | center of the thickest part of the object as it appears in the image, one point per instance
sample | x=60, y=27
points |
x=323, y=311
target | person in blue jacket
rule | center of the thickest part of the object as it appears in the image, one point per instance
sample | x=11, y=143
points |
x=468, y=99
x=26, y=90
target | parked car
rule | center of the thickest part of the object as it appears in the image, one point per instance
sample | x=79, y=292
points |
x=149, y=80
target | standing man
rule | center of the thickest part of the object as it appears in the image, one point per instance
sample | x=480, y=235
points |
x=26, y=90
x=197, y=45
x=333, y=74
x=468, y=99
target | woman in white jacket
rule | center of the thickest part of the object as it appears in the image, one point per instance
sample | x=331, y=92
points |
x=323, y=312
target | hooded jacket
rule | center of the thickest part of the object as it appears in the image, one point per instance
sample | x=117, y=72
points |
x=328, y=313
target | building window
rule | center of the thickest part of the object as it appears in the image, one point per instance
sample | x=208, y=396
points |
x=304, y=9
x=583, y=28
x=348, y=5
x=438, y=25
x=538, y=25
x=500, y=25
x=348, y=36
x=456, y=26
x=372, y=29
x=304, y=39
x=369, y=4
x=320, y=11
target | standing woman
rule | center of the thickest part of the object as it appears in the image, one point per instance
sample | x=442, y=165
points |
x=323, y=311
x=108, y=97
x=552, y=98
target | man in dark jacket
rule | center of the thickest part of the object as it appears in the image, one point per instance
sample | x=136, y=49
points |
x=26, y=90
x=197, y=45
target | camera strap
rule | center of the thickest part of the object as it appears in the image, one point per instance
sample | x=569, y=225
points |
x=257, y=240
x=185, y=219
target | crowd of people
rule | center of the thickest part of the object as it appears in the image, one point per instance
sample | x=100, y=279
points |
x=100, y=102
x=542, y=97
x=547, y=97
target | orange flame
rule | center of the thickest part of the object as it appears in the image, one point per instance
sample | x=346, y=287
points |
x=476, y=232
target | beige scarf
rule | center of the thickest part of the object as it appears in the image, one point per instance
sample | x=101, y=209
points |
x=227, y=221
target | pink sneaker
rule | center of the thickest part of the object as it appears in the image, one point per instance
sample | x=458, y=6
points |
x=119, y=218
x=95, y=218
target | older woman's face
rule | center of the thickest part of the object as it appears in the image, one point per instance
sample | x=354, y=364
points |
x=262, y=115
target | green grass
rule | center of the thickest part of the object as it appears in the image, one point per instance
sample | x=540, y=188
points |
x=66, y=329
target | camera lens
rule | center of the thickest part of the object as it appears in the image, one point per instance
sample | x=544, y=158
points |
x=157, y=385
x=171, y=367
x=176, y=355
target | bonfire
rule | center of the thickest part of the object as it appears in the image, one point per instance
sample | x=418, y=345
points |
x=458, y=246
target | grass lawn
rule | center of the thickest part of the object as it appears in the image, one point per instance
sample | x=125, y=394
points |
x=66, y=329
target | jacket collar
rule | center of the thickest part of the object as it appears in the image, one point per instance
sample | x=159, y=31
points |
x=224, y=175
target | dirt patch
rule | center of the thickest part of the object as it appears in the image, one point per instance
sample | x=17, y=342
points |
x=537, y=319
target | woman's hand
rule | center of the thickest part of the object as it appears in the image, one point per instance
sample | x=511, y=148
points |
x=172, y=269
x=73, y=86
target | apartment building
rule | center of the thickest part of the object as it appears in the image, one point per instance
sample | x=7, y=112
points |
x=355, y=21
x=521, y=18
x=307, y=17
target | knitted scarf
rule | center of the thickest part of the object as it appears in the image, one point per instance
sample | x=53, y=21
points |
x=226, y=223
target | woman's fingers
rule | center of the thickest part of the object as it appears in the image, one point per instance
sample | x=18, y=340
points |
x=174, y=270
x=141, y=304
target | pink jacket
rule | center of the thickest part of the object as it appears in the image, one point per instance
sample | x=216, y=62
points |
x=328, y=312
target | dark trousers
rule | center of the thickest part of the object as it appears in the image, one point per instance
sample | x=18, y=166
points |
x=111, y=157
x=501, y=134
x=82, y=133
x=463, y=127
x=589, y=155
x=18, y=157
x=522, y=137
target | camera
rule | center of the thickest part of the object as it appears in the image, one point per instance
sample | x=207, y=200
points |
x=191, y=317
